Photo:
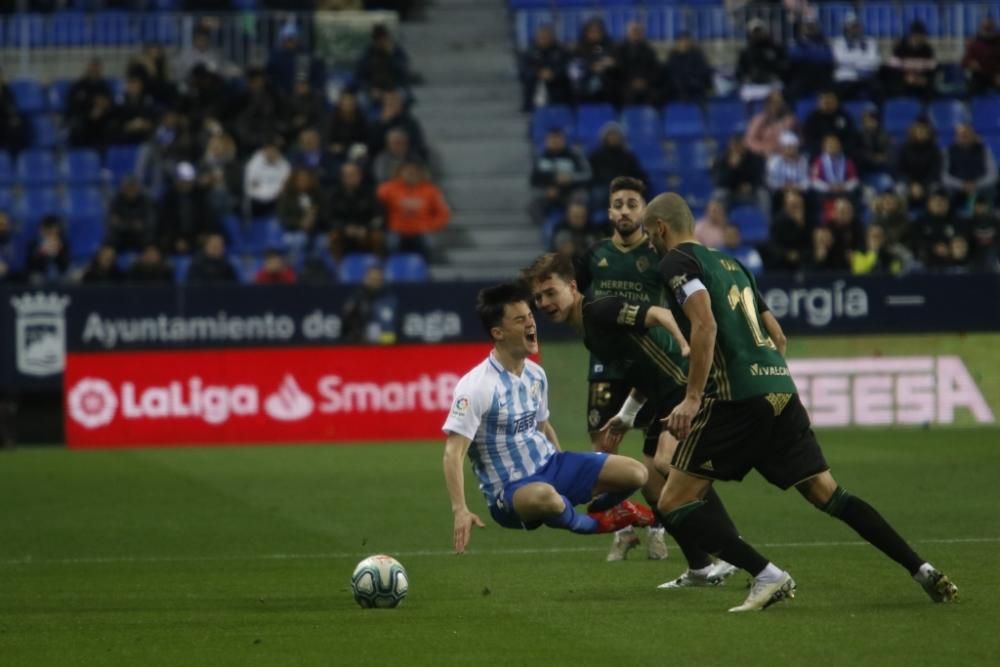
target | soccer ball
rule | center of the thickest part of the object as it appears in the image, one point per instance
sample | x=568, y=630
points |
x=379, y=581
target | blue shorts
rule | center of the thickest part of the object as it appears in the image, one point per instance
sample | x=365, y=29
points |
x=573, y=474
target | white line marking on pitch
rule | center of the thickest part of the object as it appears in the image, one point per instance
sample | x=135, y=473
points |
x=98, y=560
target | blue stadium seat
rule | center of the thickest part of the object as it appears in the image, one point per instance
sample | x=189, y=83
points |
x=406, y=268
x=986, y=114
x=85, y=201
x=26, y=30
x=925, y=12
x=56, y=95
x=726, y=117
x=6, y=199
x=261, y=234
x=67, y=28
x=232, y=228
x=683, y=121
x=695, y=186
x=642, y=124
x=6, y=170
x=36, y=167
x=946, y=114
x=692, y=155
x=751, y=222
x=121, y=161
x=28, y=95
x=651, y=156
x=44, y=132
x=899, y=113
x=36, y=203
x=804, y=107
x=353, y=267
x=880, y=20
x=115, y=29
x=181, y=265
x=84, y=234
x=81, y=167
x=161, y=29
x=590, y=118
x=546, y=118
x=855, y=108
x=165, y=5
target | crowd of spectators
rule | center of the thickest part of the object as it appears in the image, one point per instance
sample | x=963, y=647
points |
x=224, y=151
x=836, y=189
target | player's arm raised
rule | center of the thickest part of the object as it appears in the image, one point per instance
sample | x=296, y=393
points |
x=455, y=449
x=698, y=309
x=658, y=316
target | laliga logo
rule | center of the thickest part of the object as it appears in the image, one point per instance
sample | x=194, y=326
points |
x=93, y=402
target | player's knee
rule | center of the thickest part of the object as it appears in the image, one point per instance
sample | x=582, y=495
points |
x=637, y=474
x=819, y=490
x=549, y=502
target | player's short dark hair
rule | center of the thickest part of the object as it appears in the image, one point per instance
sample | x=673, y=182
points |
x=548, y=265
x=493, y=300
x=627, y=183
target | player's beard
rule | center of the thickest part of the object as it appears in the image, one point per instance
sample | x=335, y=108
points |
x=625, y=228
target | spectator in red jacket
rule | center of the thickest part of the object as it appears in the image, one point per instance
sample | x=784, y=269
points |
x=275, y=270
x=414, y=208
x=981, y=61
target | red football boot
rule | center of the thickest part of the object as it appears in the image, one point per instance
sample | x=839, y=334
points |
x=622, y=515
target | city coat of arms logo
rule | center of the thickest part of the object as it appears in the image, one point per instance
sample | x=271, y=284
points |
x=40, y=339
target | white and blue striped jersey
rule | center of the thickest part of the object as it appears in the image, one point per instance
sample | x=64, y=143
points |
x=500, y=413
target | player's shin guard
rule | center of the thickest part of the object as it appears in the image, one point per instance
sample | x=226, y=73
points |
x=869, y=524
x=697, y=557
x=715, y=534
x=571, y=520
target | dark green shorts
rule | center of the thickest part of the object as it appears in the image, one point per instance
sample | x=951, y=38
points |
x=771, y=434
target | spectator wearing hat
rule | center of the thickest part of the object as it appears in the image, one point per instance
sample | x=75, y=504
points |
x=558, y=171
x=185, y=215
x=766, y=128
x=415, y=209
x=545, y=71
x=787, y=171
x=687, y=74
x=264, y=178
x=612, y=158
x=275, y=269
x=918, y=163
x=211, y=266
x=969, y=171
x=981, y=61
x=810, y=60
x=291, y=64
x=638, y=67
x=762, y=64
x=857, y=61
x=913, y=63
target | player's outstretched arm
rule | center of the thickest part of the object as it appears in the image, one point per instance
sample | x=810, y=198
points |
x=698, y=309
x=774, y=331
x=455, y=448
x=657, y=316
x=549, y=431
x=616, y=428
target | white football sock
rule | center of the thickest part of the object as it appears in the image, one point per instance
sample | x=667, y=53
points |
x=770, y=574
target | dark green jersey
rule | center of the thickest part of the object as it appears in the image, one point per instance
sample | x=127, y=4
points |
x=650, y=359
x=607, y=269
x=746, y=362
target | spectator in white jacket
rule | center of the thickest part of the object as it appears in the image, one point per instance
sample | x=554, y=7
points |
x=857, y=62
x=264, y=178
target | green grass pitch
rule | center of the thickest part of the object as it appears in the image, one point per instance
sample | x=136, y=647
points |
x=242, y=556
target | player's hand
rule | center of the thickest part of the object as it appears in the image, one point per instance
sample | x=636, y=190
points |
x=612, y=434
x=678, y=422
x=464, y=521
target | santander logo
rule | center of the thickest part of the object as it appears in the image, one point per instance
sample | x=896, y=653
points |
x=289, y=403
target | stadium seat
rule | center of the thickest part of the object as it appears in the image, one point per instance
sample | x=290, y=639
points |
x=67, y=28
x=855, y=108
x=692, y=155
x=590, y=118
x=85, y=201
x=28, y=95
x=899, y=114
x=683, y=121
x=36, y=167
x=25, y=30
x=232, y=228
x=353, y=267
x=84, y=234
x=986, y=115
x=44, y=132
x=161, y=28
x=651, y=156
x=406, y=268
x=56, y=95
x=261, y=234
x=181, y=265
x=6, y=199
x=546, y=118
x=36, y=203
x=726, y=117
x=642, y=124
x=751, y=222
x=121, y=161
x=6, y=170
x=81, y=167
x=115, y=29
x=926, y=12
x=946, y=114
x=804, y=107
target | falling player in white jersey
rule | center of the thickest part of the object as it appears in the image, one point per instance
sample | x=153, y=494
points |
x=500, y=417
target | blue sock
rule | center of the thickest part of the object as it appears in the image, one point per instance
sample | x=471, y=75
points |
x=609, y=499
x=572, y=521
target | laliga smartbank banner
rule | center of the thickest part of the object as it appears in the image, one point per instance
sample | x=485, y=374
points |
x=263, y=395
x=879, y=391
